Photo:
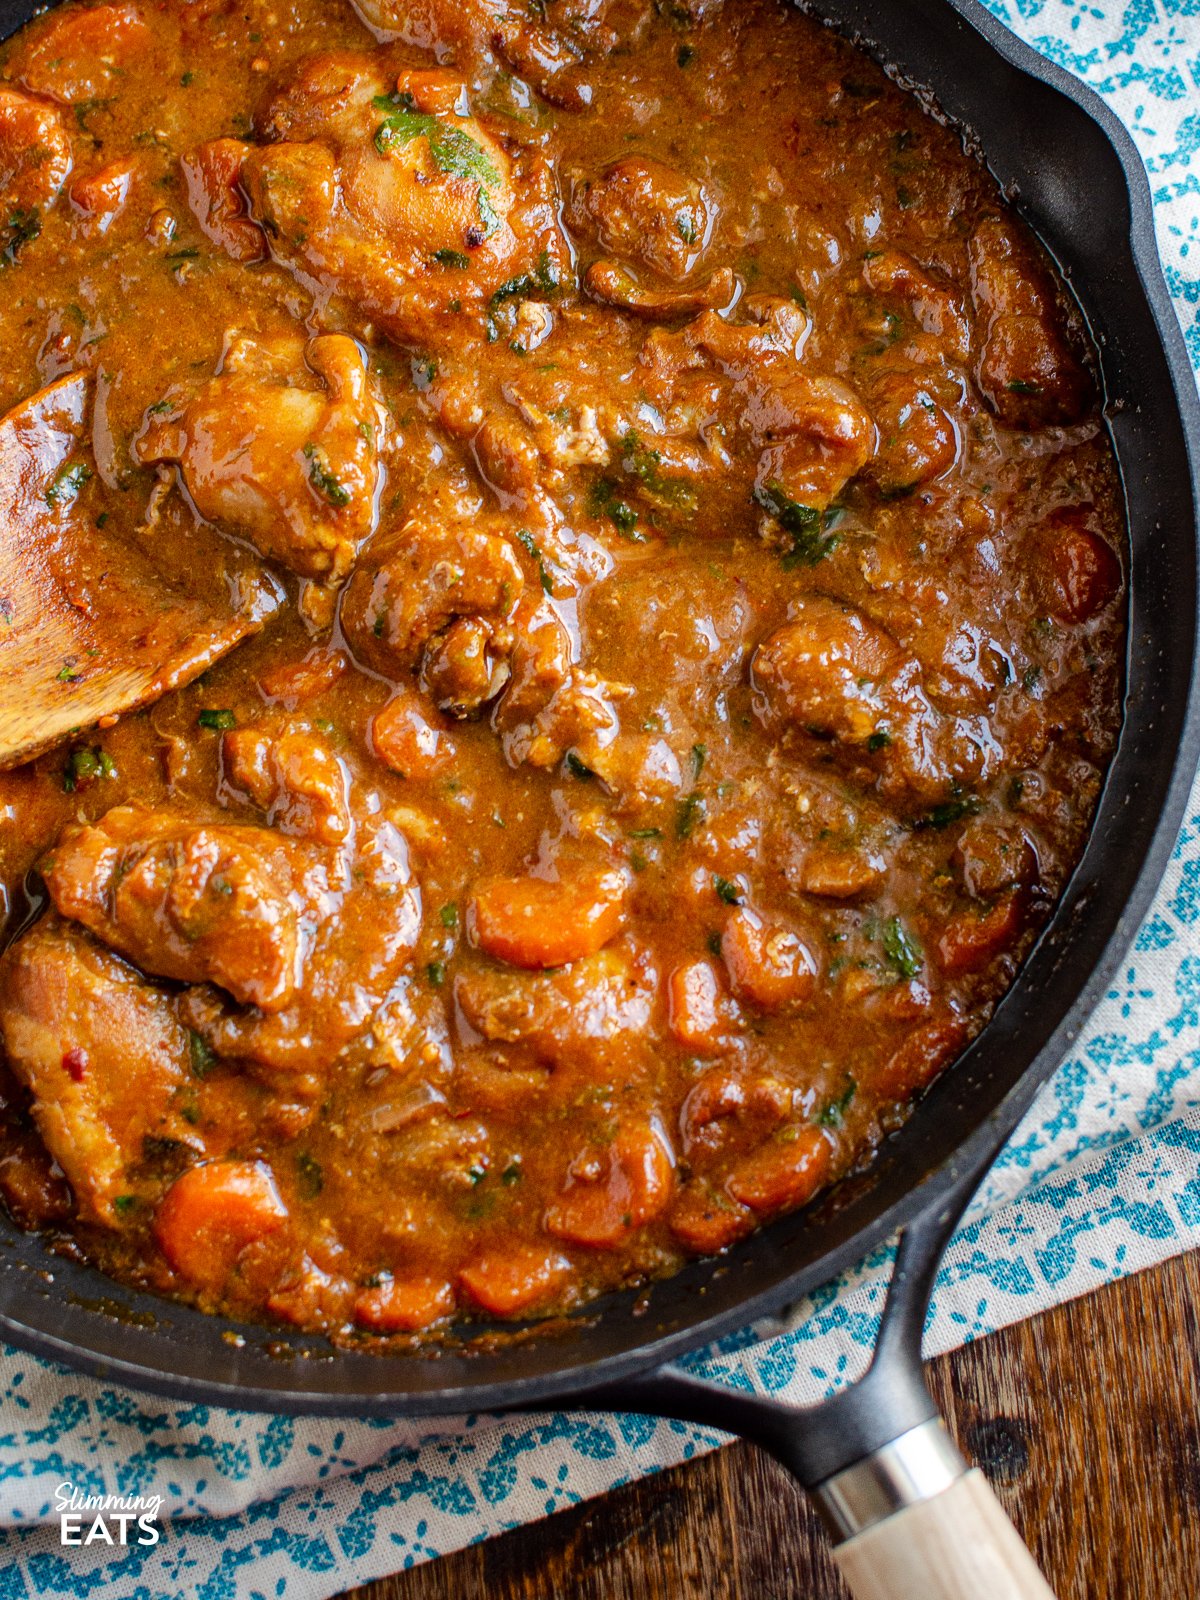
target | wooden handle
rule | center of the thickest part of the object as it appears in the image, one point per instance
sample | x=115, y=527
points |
x=959, y=1545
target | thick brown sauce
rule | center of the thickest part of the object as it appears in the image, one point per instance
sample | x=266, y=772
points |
x=701, y=657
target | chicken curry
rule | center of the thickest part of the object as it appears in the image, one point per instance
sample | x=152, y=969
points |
x=686, y=640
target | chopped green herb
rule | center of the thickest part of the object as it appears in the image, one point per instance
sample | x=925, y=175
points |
x=684, y=56
x=311, y=1180
x=644, y=463
x=1019, y=386
x=727, y=891
x=322, y=478
x=452, y=258
x=84, y=766
x=67, y=482
x=402, y=126
x=949, y=811
x=396, y=101
x=69, y=673
x=200, y=1054
x=576, y=765
x=806, y=525
x=453, y=151
x=22, y=228
x=604, y=501
x=713, y=943
x=691, y=813
x=543, y=280
x=449, y=916
x=436, y=973
x=488, y=214
x=218, y=721
x=645, y=833
x=123, y=1204
x=879, y=740
x=900, y=948
x=833, y=1112
x=526, y=540
x=512, y=1173
x=699, y=757
x=799, y=296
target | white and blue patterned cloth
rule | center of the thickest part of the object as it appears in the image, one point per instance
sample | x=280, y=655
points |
x=1101, y=1179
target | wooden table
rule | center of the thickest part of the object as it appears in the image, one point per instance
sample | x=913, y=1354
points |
x=1086, y=1419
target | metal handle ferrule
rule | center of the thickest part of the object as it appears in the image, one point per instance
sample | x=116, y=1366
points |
x=916, y=1466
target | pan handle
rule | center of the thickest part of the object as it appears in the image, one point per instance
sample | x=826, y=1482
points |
x=913, y=1522
x=908, y=1518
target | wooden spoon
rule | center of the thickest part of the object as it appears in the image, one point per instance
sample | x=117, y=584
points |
x=91, y=626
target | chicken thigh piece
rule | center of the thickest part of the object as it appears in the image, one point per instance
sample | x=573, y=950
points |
x=387, y=198
x=282, y=447
x=438, y=593
x=100, y=1051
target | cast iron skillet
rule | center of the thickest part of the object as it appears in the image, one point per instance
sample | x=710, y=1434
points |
x=882, y=1469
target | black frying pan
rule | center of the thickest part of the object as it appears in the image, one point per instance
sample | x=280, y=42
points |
x=910, y=1521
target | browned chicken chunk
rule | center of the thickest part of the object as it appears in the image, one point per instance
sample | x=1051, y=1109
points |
x=282, y=447
x=203, y=904
x=836, y=676
x=442, y=588
x=1027, y=369
x=101, y=1052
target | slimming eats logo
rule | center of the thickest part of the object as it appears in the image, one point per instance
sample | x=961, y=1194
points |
x=106, y=1518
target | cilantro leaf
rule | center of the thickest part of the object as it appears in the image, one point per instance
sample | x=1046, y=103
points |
x=806, y=525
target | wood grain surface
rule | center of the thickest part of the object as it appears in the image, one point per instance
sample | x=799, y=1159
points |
x=1086, y=1419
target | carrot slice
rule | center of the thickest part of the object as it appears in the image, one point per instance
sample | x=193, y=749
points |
x=293, y=681
x=401, y=1305
x=210, y=1215
x=784, y=1172
x=705, y=1220
x=506, y=1282
x=404, y=739
x=971, y=940
x=697, y=1008
x=920, y=1058
x=769, y=966
x=618, y=1188
x=532, y=922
